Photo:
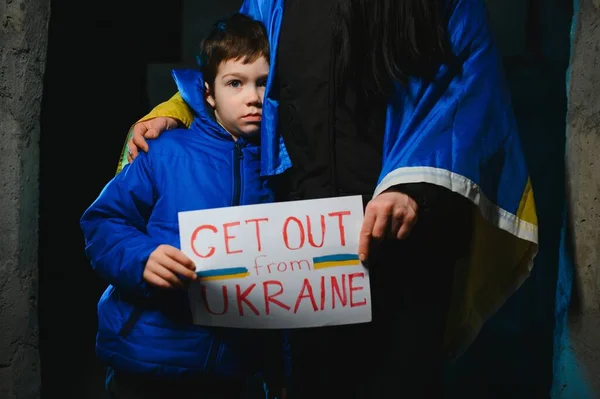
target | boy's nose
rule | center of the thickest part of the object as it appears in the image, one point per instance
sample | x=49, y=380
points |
x=253, y=96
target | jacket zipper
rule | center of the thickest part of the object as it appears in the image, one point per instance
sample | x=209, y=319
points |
x=216, y=346
x=237, y=173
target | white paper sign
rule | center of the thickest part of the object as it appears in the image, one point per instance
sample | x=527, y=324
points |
x=283, y=265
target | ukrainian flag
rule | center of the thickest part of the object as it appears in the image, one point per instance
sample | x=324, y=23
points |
x=222, y=274
x=337, y=260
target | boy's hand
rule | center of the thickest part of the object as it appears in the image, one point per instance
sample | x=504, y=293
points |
x=165, y=267
x=149, y=129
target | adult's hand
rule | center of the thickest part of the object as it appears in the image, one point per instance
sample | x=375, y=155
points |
x=148, y=129
x=391, y=214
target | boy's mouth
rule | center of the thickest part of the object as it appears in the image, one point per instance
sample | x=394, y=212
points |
x=252, y=117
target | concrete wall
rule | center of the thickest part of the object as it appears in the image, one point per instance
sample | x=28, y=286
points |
x=581, y=363
x=23, y=34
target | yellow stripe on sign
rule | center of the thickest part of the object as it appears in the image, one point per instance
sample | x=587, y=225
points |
x=337, y=263
x=226, y=277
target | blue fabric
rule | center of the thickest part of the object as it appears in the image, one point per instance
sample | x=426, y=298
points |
x=461, y=122
x=274, y=156
x=135, y=213
x=526, y=341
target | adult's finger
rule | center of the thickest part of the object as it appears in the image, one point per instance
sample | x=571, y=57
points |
x=153, y=132
x=381, y=226
x=364, y=239
x=132, y=151
x=408, y=222
x=158, y=125
x=139, y=131
x=396, y=222
x=172, y=123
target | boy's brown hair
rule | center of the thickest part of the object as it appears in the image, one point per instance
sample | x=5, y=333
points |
x=237, y=37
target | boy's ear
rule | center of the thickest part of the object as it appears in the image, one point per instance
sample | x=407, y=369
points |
x=210, y=99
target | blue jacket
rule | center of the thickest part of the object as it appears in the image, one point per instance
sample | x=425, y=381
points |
x=141, y=328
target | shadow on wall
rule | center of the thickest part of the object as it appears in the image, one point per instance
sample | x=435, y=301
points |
x=513, y=357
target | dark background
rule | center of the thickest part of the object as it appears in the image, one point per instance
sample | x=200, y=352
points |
x=94, y=89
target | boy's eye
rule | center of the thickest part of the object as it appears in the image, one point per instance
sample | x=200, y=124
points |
x=262, y=83
x=235, y=83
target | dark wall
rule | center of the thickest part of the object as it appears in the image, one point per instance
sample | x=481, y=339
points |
x=94, y=89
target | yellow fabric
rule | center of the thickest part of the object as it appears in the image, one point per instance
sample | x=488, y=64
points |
x=175, y=108
x=496, y=266
x=527, y=211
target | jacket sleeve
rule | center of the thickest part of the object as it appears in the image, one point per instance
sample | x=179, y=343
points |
x=175, y=107
x=114, y=228
x=445, y=222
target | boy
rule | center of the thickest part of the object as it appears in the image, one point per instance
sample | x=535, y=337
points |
x=145, y=332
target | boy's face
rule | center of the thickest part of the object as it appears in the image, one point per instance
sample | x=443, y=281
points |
x=237, y=95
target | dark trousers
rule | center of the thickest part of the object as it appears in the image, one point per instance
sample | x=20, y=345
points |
x=400, y=353
x=205, y=386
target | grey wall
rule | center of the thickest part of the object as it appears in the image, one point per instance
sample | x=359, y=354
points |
x=582, y=363
x=23, y=29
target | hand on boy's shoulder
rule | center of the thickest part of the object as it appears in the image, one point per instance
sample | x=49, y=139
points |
x=148, y=129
